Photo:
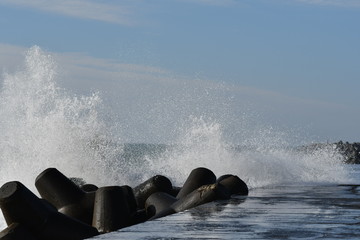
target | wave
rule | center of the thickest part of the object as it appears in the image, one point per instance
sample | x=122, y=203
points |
x=260, y=162
x=43, y=125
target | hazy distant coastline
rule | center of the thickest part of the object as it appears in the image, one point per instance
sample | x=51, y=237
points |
x=350, y=151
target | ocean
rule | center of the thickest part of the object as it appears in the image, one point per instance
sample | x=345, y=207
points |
x=293, y=194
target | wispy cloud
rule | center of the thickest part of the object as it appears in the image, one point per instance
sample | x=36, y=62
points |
x=340, y=3
x=213, y=2
x=116, y=13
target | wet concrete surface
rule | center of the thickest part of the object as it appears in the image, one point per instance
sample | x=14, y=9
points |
x=281, y=212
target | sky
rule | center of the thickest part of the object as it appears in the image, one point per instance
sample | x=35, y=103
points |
x=290, y=65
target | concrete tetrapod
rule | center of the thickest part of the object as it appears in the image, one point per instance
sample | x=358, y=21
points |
x=65, y=195
x=234, y=184
x=137, y=215
x=157, y=183
x=89, y=187
x=197, y=178
x=16, y=231
x=130, y=197
x=20, y=205
x=158, y=202
x=111, y=209
x=202, y=195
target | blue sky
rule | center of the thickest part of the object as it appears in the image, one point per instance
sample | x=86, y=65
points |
x=290, y=63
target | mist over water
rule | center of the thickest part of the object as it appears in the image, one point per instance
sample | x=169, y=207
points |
x=44, y=126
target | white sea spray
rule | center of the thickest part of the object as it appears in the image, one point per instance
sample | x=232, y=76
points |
x=261, y=160
x=44, y=126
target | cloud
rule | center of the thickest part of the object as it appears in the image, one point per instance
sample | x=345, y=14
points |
x=84, y=9
x=340, y=3
x=213, y=2
x=118, y=12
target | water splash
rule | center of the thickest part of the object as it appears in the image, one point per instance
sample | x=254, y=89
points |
x=261, y=161
x=44, y=126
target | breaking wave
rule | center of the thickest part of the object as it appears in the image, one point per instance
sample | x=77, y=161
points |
x=43, y=125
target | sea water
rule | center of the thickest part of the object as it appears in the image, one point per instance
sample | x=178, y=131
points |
x=293, y=194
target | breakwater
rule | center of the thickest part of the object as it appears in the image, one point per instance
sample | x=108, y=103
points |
x=349, y=151
x=69, y=211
